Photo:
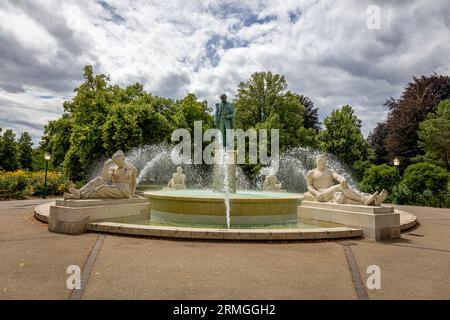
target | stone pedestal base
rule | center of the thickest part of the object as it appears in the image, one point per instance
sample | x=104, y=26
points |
x=378, y=223
x=72, y=216
x=219, y=174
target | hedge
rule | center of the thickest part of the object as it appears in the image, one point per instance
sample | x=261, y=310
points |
x=22, y=184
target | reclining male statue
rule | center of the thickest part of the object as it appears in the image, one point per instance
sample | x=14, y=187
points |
x=118, y=180
x=321, y=188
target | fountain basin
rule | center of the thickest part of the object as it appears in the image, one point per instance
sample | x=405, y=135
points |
x=208, y=207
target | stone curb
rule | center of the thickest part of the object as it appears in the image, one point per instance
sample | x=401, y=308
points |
x=224, y=234
x=407, y=221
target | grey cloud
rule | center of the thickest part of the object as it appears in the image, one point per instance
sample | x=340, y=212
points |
x=21, y=117
x=173, y=85
x=21, y=66
x=112, y=11
x=357, y=66
x=375, y=54
x=12, y=87
x=29, y=109
x=23, y=123
x=54, y=24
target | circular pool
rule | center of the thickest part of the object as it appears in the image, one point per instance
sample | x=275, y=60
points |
x=208, y=207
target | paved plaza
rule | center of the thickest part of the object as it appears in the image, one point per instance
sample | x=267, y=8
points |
x=33, y=264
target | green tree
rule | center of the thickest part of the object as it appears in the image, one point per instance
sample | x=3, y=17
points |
x=379, y=177
x=56, y=139
x=8, y=151
x=420, y=97
x=425, y=184
x=308, y=137
x=39, y=161
x=25, y=151
x=102, y=118
x=359, y=167
x=342, y=137
x=258, y=97
x=376, y=140
x=89, y=109
x=121, y=129
x=189, y=109
x=311, y=115
x=434, y=136
x=263, y=102
x=155, y=125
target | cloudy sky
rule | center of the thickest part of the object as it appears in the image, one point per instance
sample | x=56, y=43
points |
x=325, y=49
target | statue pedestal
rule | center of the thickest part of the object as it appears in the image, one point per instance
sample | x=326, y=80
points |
x=222, y=167
x=378, y=223
x=72, y=216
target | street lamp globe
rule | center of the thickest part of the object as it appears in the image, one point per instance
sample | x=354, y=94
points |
x=396, y=162
x=47, y=156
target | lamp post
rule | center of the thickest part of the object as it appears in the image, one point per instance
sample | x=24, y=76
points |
x=396, y=164
x=47, y=157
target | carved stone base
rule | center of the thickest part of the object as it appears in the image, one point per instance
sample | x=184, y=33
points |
x=378, y=223
x=72, y=216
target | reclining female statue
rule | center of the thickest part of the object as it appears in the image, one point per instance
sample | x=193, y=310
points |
x=321, y=188
x=118, y=180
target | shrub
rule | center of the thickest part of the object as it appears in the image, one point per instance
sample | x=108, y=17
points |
x=380, y=177
x=359, y=168
x=425, y=184
x=22, y=184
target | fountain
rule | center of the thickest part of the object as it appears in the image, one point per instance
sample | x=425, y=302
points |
x=223, y=204
x=200, y=212
x=216, y=202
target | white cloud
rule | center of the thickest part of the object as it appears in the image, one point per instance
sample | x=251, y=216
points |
x=207, y=47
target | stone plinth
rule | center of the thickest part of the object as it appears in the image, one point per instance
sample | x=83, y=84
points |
x=219, y=175
x=72, y=216
x=378, y=223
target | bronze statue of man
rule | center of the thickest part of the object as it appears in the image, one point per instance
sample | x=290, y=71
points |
x=224, y=118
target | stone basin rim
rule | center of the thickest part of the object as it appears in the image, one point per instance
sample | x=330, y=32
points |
x=176, y=195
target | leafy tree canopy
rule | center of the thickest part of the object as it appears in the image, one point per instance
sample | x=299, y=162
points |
x=25, y=151
x=376, y=141
x=263, y=101
x=420, y=97
x=102, y=118
x=434, y=135
x=311, y=116
x=8, y=151
x=342, y=137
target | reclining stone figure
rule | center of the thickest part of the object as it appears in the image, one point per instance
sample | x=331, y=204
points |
x=118, y=180
x=321, y=188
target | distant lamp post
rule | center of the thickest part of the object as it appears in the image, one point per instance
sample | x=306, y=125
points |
x=46, y=157
x=396, y=164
